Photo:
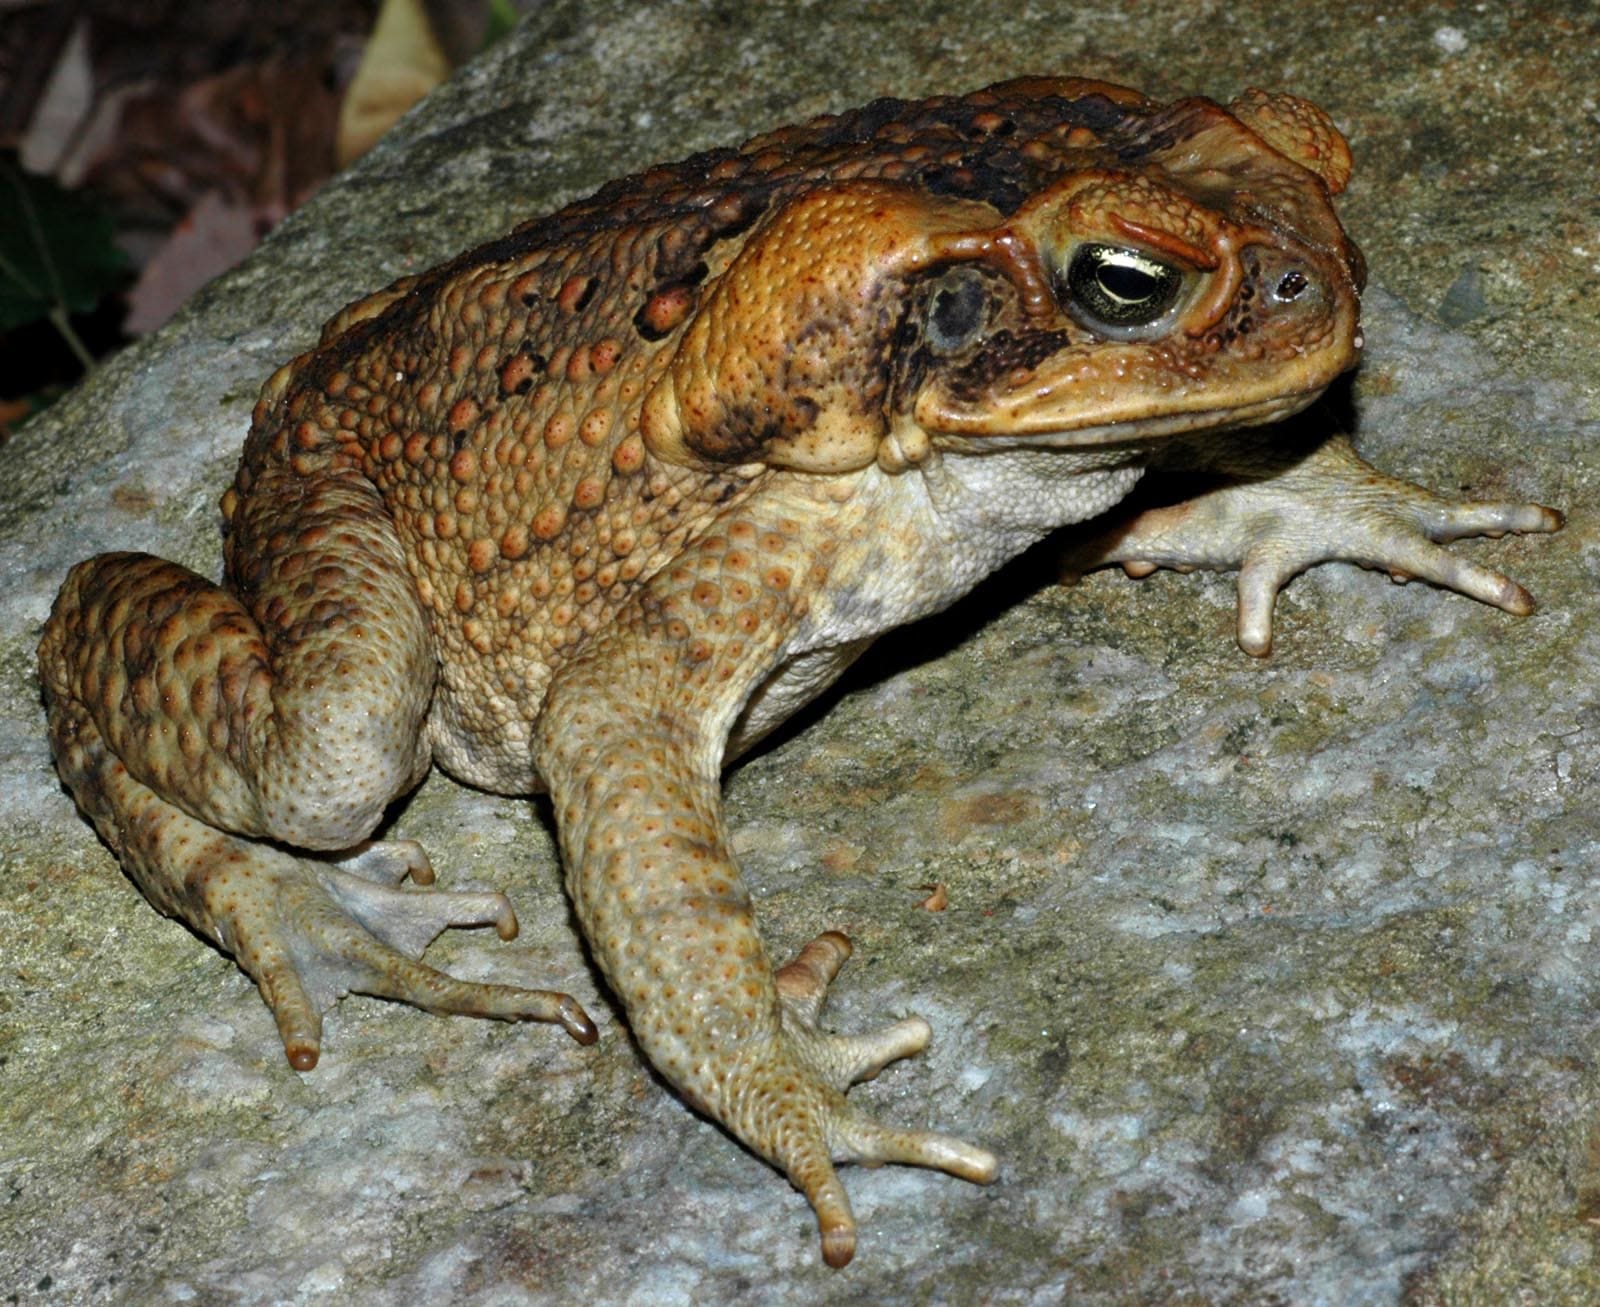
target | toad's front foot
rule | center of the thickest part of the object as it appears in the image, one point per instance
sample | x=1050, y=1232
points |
x=1276, y=516
x=785, y=1097
x=309, y=931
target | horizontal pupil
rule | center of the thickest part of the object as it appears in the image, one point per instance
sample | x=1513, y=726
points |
x=1125, y=283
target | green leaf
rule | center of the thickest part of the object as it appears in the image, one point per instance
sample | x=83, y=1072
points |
x=57, y=250
x=502, y=18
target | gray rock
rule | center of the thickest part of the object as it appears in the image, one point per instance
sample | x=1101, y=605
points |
x=1268, y=981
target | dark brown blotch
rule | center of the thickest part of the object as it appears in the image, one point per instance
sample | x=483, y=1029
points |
x=1003, y=352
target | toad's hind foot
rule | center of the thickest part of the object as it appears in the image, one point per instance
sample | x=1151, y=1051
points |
x=309, y=932
x=795, y=1100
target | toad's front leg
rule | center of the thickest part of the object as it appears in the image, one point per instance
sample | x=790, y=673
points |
x=1275, y=509
x=631, y=744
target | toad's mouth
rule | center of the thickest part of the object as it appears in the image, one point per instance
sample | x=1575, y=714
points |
x=982, y=438
x=1111, y=395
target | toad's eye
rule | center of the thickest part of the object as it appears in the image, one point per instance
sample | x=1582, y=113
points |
x=1111, y=286
x=958, y=308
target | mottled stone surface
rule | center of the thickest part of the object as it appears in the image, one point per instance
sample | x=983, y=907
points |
x=1269, y=982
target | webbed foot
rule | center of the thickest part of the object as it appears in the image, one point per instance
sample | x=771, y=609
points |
x=1274, y=522
x=309, y=931
x=788, y=1099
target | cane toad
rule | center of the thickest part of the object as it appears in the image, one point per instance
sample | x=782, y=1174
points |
x=592, y=507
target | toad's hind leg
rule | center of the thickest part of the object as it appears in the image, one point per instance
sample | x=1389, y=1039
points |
x=194, y=723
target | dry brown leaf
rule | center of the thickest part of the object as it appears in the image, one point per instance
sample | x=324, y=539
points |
x=212, y=237
x=12, y=413
x=401, y=64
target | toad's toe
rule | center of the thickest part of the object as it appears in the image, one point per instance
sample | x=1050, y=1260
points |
x=789, y=1100
x=309, y=932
